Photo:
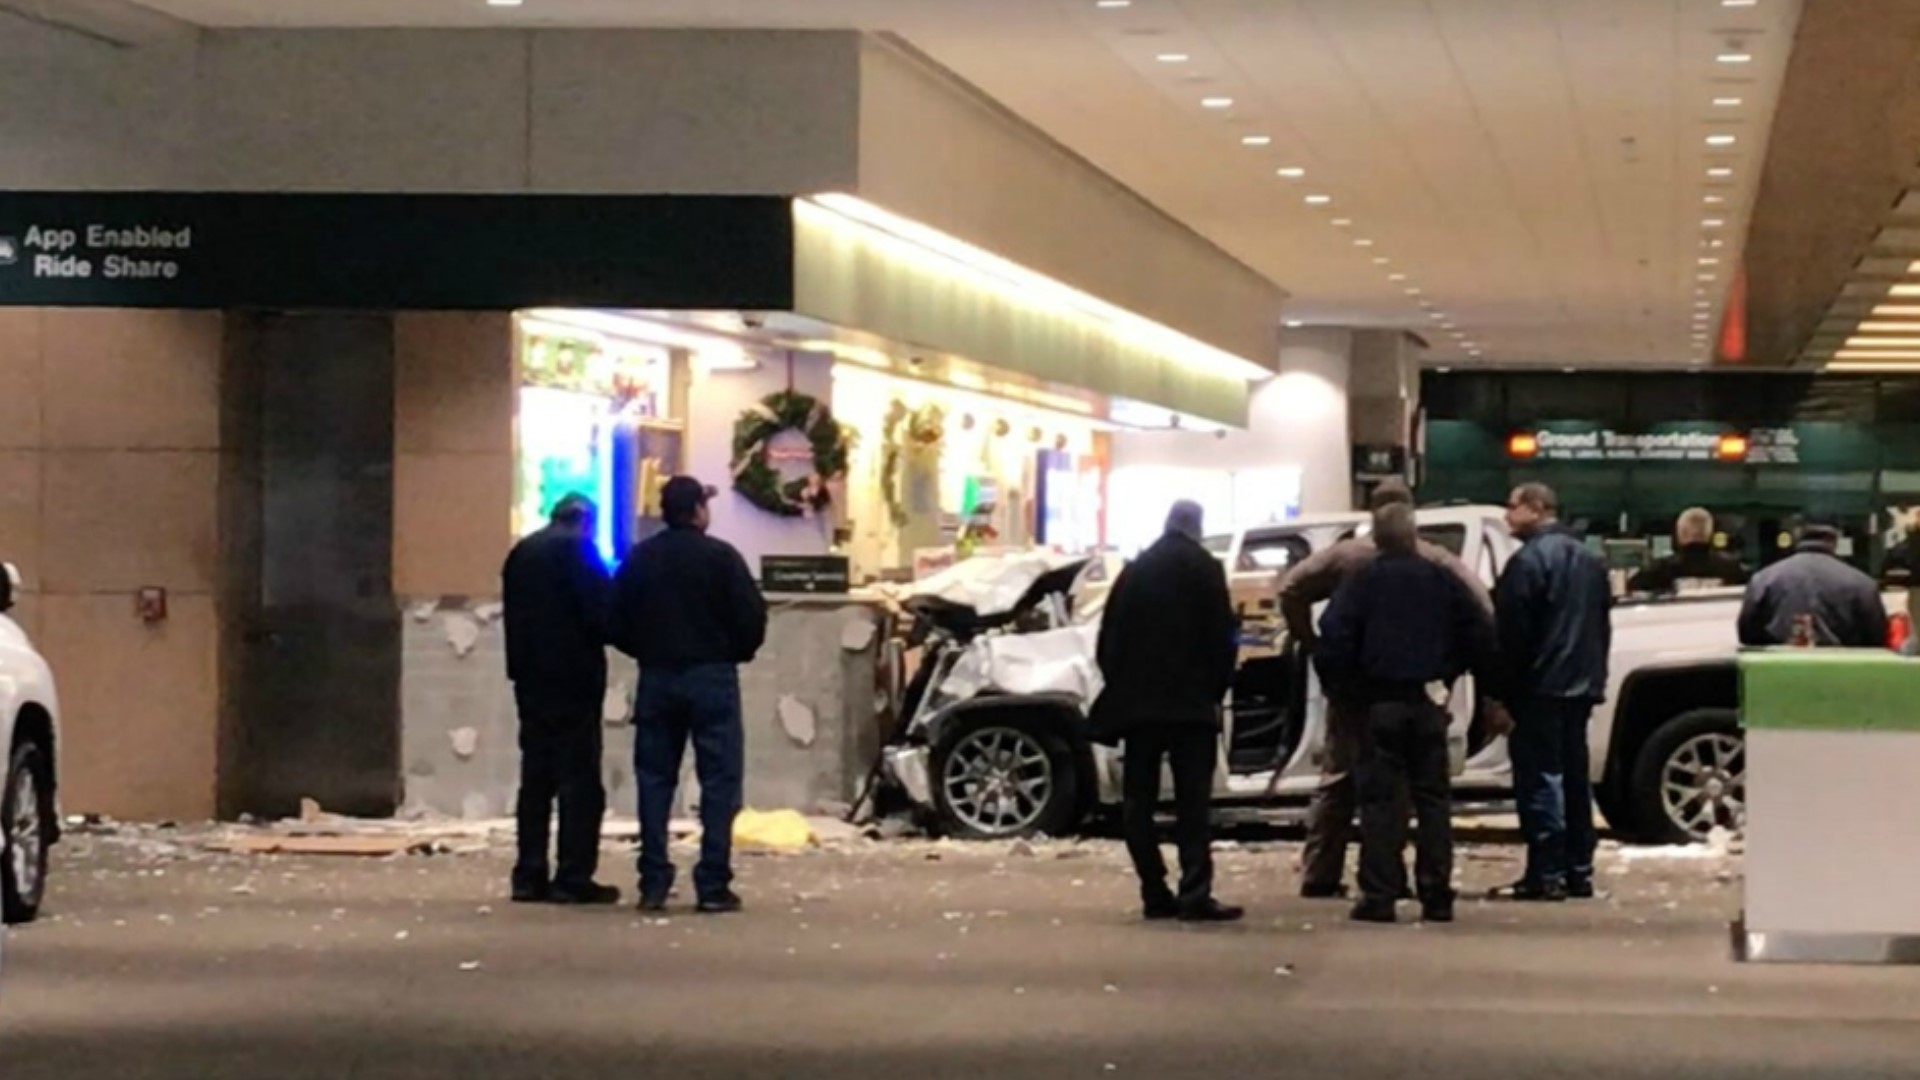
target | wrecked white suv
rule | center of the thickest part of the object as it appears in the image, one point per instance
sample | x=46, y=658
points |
x=993, y=741
x=29, y=732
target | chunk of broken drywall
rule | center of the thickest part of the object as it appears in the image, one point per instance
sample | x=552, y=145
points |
x=466, y=742
x=462, y=630
x=797, y=720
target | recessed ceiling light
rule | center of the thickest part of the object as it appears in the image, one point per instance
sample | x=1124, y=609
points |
x=1708, y=260
x=1363, y=242
x=1738, y=3
x=1728, y=102
x=1709, y=277
x=1292, y=172
x=1735, y=58
x=1437, y=316
x=1883, y=343
x=1712, y=222
x=1396, y=277
x=1720, y=172
x=1874, y=327
x=505, y=3
x=1450, y=328
x=1413, y=292
x=1897, y=310
x=1715, y=243
x=1173, y=58
x=1256, y=140
x=1381, y=260
x=1714, y=200
x=1216, y=103
x=1295, y=324
x=1722, y=140
x=1703, y=303
x=1319, y=200
x=1340, y=222
x=1112, y=4
x=1444, y=370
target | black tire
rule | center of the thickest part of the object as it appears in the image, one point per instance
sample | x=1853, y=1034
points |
x=29, y=786
x=1686, y=748
x=985, y=741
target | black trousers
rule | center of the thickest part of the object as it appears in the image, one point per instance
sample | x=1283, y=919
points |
x=560, y=743
x=1404, y=747
x=1194, y=751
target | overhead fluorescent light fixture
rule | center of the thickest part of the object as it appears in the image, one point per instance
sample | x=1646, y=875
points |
x=1904, y=291
x=1256, y=140
x=1173, y=58
x=1292, y=172
x=1897, y=310
x=1728, y=102
x=1720, y=172
x=1722, y=140
x=944, y=254
x=1734, y=58
x=1858, y=342
x=1113, y=5
x=1319, y=200
x=1216, y=103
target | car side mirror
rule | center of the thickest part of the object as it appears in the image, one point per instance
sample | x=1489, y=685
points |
x=9, y=584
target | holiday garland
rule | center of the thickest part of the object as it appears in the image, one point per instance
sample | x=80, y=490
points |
x=756, y=478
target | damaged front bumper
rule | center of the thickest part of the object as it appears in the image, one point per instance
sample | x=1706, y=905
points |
x=911, y=768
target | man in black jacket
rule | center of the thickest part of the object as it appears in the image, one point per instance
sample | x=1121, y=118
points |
x=1168, y=648
x=554, y=589
x=1814, y=593
x=1694, y=563
x=1393, y=641
x=688, y=610
x=1553, y=606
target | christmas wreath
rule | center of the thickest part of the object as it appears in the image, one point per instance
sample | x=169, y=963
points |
x=926, y=426
x=755, y=477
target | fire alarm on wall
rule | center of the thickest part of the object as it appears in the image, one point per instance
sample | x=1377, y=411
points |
x=150, y=605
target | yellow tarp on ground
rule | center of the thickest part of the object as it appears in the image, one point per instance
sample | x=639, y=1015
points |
x=774, y=830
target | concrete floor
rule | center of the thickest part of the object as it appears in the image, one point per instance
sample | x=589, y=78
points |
x=909, y=960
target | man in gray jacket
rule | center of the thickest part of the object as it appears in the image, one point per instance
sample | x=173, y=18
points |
x=1330, y=817
x=1813, y=597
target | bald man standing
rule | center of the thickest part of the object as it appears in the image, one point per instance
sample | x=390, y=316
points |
x=1168, y=648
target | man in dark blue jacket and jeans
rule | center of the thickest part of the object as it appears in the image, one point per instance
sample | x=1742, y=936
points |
x=688, y=610
x=1554, y=608
x=1394, y=640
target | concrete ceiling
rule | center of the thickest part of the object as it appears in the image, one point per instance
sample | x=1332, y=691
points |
x=1536, y=169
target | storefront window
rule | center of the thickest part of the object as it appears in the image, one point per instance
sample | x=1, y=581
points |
x=585, y=405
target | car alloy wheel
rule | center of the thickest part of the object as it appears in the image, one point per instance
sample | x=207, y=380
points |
x=998, y=781
x=1703, y=784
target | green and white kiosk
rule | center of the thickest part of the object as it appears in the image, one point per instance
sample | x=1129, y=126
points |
x=1833, y=811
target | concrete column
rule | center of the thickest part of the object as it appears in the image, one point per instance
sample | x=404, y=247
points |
x=1305, y=413
x=1384, y=388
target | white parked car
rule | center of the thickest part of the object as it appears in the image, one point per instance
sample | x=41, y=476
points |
x=30, y=732
x=990, y=753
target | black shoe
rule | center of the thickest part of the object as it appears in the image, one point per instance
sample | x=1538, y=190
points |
x=725, y=903
x=1160, y=909
x=1211, y=910
x=1532, y=892
x=532, y=894
x=1437, y=911
x=1314, y=890
x=654, y=904
x=1580, y=888
x=592, y=894
x=1374, y=911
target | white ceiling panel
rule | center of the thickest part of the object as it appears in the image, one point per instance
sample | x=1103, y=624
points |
x=1536, y=169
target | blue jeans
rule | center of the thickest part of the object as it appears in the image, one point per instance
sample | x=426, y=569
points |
x=700, y=703
x=1553, y=787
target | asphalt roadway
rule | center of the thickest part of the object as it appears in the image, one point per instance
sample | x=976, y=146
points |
x=908, y=961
